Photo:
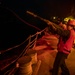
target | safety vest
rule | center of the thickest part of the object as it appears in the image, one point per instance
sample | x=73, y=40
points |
x=66, y=47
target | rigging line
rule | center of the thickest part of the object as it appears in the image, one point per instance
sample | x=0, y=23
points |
x=23, y=20
x=23, y=41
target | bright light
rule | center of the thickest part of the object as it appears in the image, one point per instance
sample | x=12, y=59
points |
x=54, y=17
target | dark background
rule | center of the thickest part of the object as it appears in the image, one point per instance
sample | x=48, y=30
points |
x=13, y=30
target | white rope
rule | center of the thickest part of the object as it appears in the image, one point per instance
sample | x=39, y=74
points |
x=37, y=33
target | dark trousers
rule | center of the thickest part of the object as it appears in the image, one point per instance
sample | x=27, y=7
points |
x=60, y=62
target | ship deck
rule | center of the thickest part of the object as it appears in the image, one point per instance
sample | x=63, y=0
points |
x=47, y=55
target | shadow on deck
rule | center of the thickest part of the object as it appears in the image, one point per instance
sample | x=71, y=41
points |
x=47, y=57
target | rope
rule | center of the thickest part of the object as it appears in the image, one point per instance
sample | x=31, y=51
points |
x=22, y=42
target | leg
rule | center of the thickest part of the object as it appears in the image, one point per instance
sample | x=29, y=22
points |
x=57, y=63
x=64, y=68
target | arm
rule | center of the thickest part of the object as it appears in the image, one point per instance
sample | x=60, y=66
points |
x=52, y=27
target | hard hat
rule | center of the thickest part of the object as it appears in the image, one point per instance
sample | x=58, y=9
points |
x=71, y=22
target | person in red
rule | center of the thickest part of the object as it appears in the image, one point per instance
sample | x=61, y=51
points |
x=66, y=39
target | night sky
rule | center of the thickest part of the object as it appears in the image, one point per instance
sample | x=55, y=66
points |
x=45, y=8
x=13, y=31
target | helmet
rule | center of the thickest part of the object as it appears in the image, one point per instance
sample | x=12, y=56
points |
x=71, y=22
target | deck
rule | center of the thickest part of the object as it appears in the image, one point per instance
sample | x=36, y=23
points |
x=47, y=56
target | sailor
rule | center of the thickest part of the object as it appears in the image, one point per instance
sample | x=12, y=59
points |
x=66, y=39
